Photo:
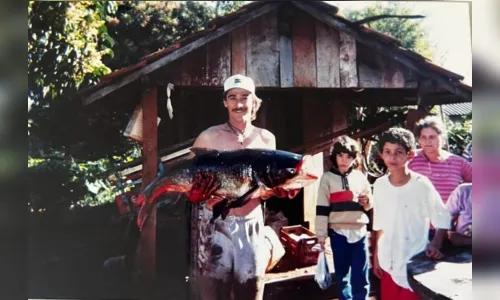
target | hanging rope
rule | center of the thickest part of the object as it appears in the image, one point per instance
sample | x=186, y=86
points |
x=170, y=109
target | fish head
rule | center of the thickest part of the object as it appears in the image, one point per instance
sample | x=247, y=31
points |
x=304, y=174
x=288, y=171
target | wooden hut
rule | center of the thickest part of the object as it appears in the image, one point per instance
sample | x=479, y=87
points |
x=312, y=68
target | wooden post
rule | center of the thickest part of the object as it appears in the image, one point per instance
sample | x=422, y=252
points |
x=147, y=243
x=311, y=192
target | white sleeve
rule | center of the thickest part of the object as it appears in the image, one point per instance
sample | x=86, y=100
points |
x=437, y=212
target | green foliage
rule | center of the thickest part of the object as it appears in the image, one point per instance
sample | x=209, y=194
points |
x=227, y=7
x=459, y=134
x=71, y=44
x=66, y=43
x=408, y=31
x=143, y=27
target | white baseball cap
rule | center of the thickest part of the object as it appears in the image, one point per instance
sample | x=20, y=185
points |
x=239, y=81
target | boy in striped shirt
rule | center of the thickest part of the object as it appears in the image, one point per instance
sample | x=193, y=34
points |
x=344, y=194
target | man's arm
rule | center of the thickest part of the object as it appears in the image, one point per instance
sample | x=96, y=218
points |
x=203, y=140
x=458, y=239
x=440, y=218
x=269, y=139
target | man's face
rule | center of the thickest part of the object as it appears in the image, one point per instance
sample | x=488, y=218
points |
x=395, y=156
x=239, y=104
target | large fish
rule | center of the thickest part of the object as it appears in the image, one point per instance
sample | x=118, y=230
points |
x=240, y=174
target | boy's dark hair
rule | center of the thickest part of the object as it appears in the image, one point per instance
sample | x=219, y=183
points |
x=345, y=144
x=431, y=121
x=399, y=136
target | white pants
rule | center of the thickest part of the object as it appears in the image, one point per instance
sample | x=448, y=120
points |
x=233, y=250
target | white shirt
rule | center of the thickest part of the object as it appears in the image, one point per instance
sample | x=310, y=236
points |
x=403, y=214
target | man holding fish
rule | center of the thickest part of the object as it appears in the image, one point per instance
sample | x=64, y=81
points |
x=234, y=253
x=232, y=168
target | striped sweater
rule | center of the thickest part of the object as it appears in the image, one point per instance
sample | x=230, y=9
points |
x=446, y=174
x=337, y=204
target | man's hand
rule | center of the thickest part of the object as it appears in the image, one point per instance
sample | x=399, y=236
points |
x=433, y=252
x=363, y=200
x=204, y=185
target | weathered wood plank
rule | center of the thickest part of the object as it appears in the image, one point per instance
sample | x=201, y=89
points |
x=327, y=56
x=150, y=142
x=395, y=79
x=263, y=50
x=169, y=74
x=385, y=70
x=285, y=43
x=368, y=77
x=149, y=134
x=239, y=51
x=310, y=118
x=194, y=68
x=147, y=255
x=243, y=19
x=378, y=71
x=219, y=60
x=386, y=50
x=311, y=191
x=304, y=50
x=347, y=56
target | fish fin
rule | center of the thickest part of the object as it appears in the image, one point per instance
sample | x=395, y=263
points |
x=224, y=209
x=201, y=150
x=245, y=198
x=218, y=209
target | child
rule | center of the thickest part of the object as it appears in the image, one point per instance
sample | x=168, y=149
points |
x=404, y=201
x=460, y=207
x=344, y=194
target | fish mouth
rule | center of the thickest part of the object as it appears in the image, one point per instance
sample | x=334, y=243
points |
x=305, y=174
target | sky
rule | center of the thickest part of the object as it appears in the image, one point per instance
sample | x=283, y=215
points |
x=448, y=28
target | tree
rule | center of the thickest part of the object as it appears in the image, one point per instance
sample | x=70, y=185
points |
x=70, y=45
x=412, y=37
x=408, y=31
x=66, y=43
x=143, y=27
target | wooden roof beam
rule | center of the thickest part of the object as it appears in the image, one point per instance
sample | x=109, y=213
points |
x=240, y=21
